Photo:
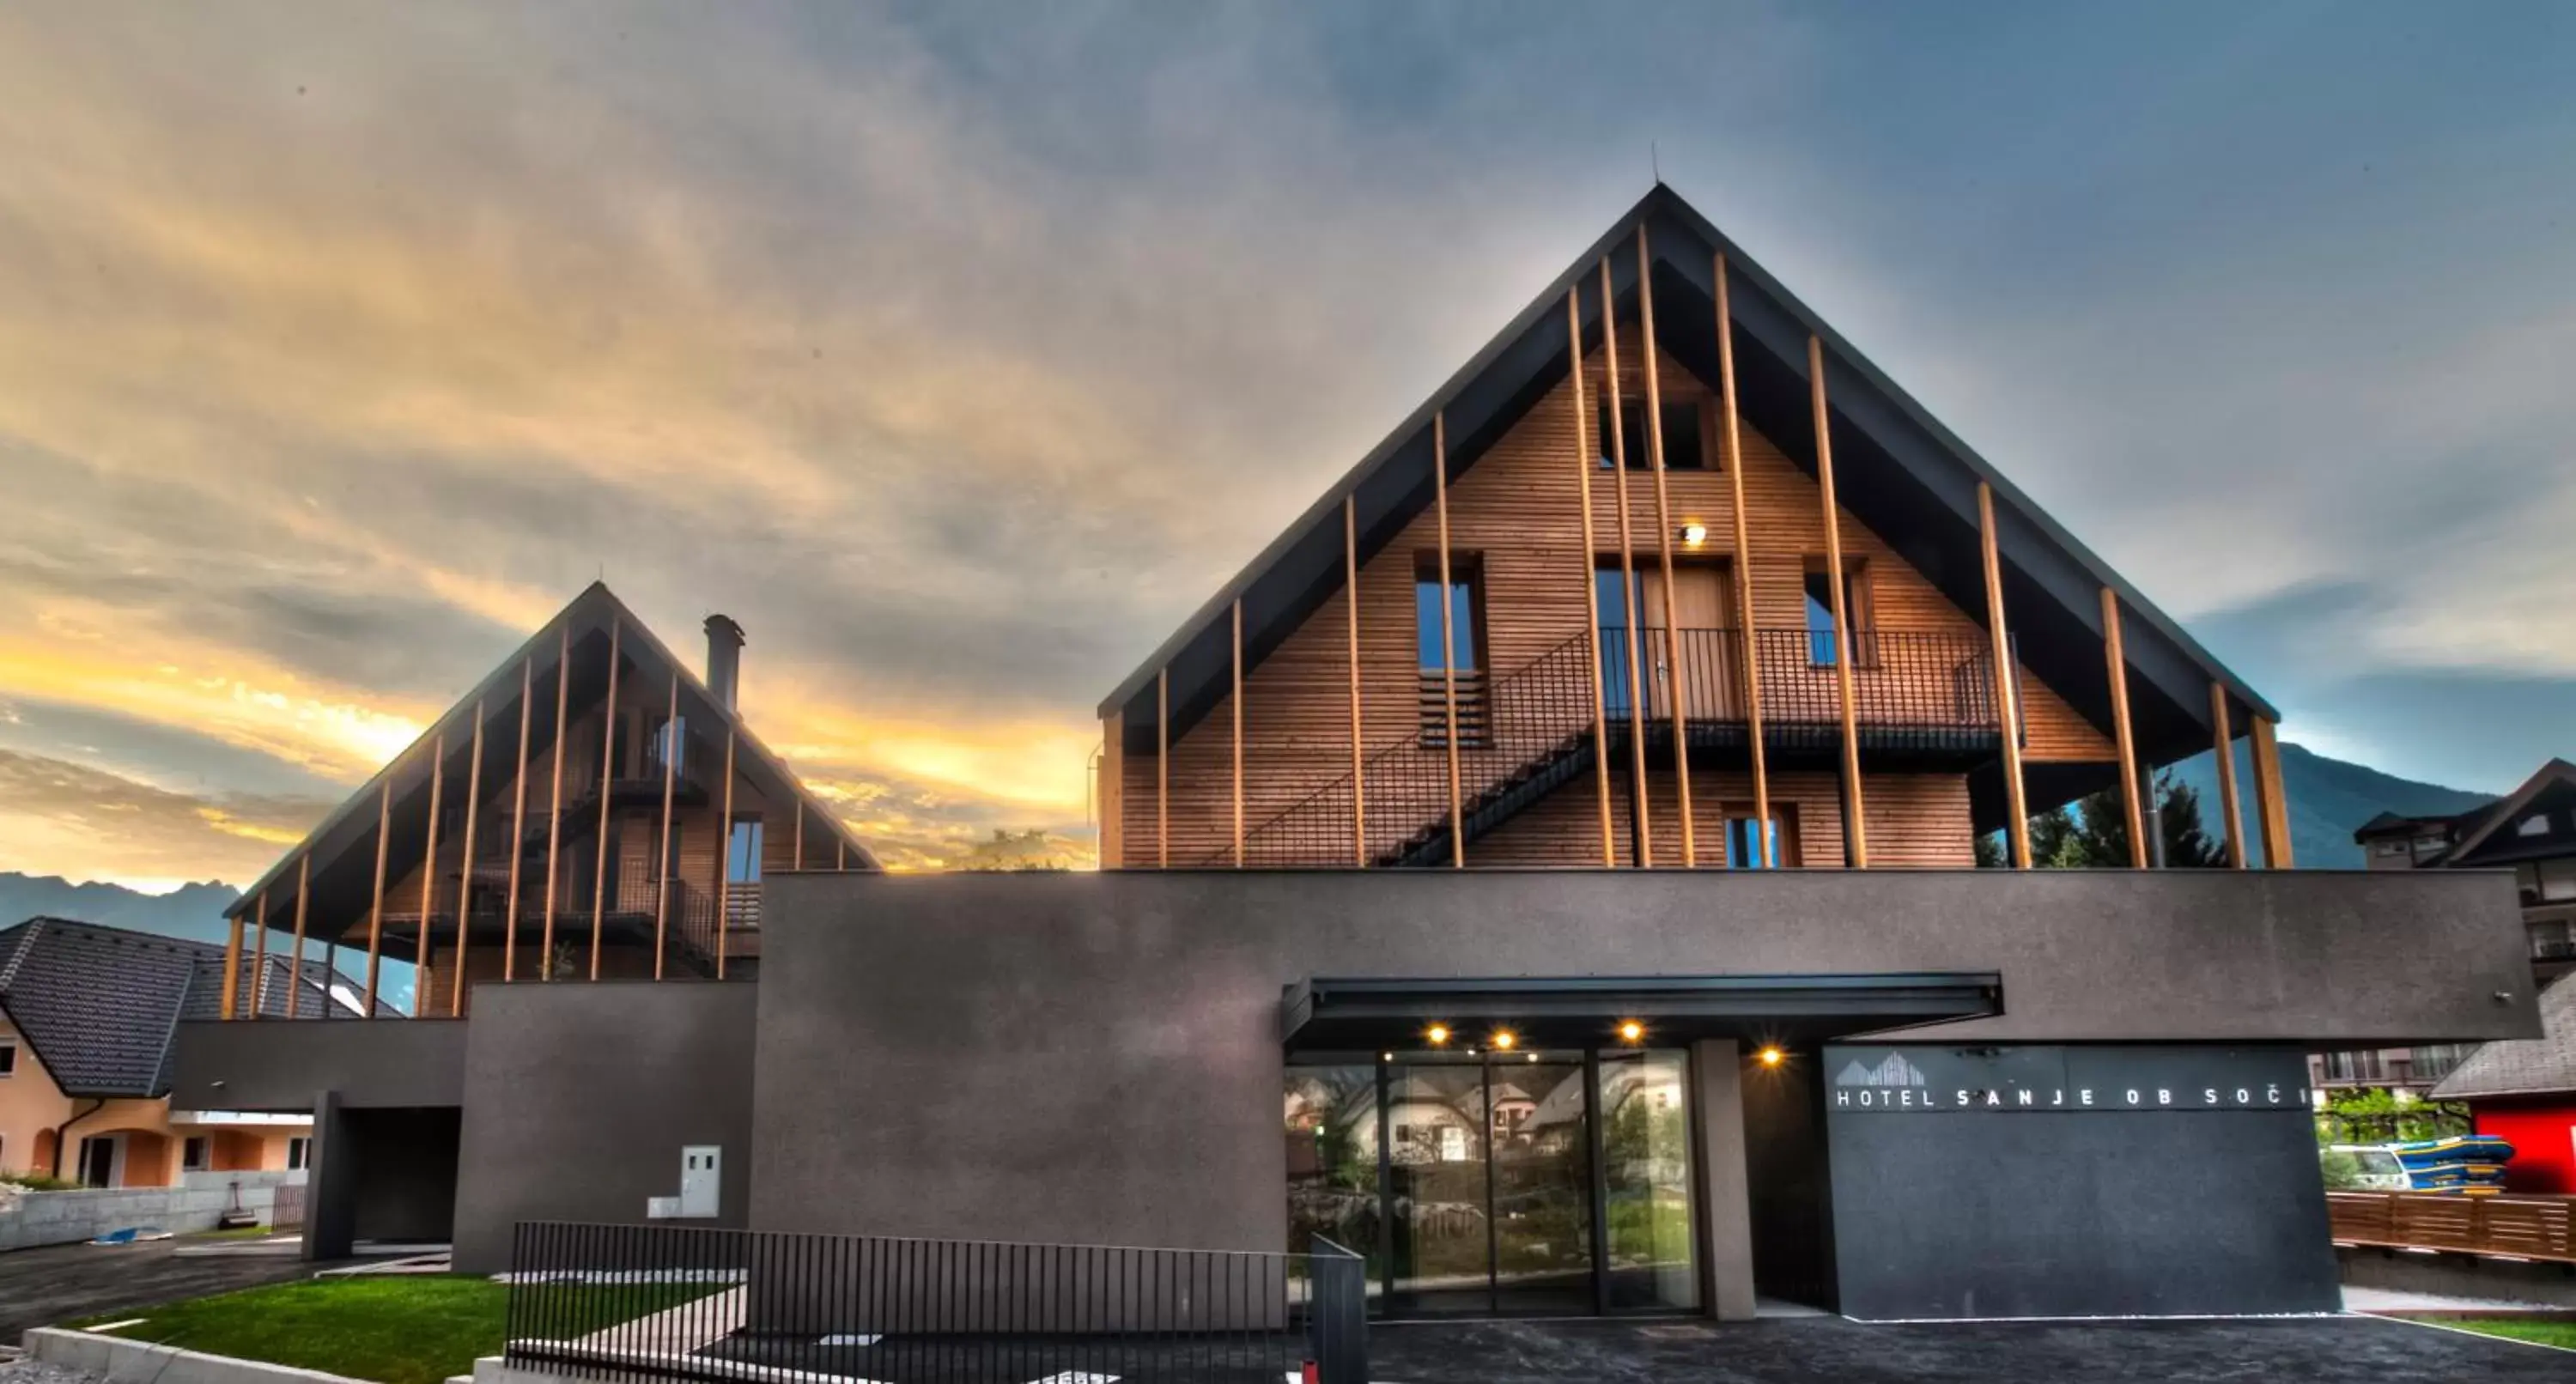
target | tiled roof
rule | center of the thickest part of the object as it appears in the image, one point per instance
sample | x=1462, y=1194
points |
x=2524, y=1066
x=98, y=1004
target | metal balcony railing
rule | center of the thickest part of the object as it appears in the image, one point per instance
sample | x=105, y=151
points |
x=1518, y=731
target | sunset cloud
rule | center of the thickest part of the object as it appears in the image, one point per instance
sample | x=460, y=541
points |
x=959, y=351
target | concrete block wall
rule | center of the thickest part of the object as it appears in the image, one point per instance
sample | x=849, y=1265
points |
x=61, y=1218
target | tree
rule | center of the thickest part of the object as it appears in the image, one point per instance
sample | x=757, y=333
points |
x=2093, y=833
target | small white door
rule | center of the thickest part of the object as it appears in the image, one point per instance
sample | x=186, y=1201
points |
x=701, y=1177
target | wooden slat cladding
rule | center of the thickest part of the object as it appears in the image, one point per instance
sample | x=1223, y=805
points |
x=1914, y=820
x=1519, y=513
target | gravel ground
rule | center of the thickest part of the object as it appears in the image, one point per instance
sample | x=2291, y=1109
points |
x=36, y=1372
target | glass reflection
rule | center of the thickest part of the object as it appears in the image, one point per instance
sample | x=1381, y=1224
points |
x=1646, y=1170
x=1331, y=1127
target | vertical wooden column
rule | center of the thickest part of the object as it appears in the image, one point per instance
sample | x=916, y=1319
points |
x=2271, y=804
x=232, y=971
x=1743, y=569
x=797, y=859
x=376, y=909
x=2115, y=653
x=607, y=779
x=295, y=963
x=1448, y=639
x=554, y=812
x=1856, y=842
x=1583, y=467
x=1631, y=612
x=420, y=981
x=1163, y=769
x=259, y=957
x=2007, y=681
x=662, y=847
x=724, y=859
x=1113, y=790
x=2226, y=745
x=518, y=826
x=841, y=855
x=465, y=891
x=1675, y=661
x=1237, y=699
x=1351, y=598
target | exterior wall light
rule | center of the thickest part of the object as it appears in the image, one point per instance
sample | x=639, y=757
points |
x=1632, y=1032
x=1503, y=1040
x=1438, y=1034
x=1694, y=535
x=1770, y=1057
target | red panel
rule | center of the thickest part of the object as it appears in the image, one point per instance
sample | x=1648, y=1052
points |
x=2543, y=1135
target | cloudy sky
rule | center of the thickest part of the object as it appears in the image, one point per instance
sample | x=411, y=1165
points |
x=959, y=351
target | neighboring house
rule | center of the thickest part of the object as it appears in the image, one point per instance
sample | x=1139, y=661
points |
x=2524, y=1091
x=518, y=839
x=2530, y=831
x=86, y=1017
x=1499, y=642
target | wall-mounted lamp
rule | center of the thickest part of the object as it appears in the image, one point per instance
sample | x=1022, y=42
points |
x=1632, y=1032
x=1694, y=535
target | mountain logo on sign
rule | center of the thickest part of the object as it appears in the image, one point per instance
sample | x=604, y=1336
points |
x=1893, y=1071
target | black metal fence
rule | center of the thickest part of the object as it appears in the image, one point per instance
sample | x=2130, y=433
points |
x=649, y=1302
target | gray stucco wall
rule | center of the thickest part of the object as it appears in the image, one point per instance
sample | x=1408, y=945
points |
x=279, y=1064
x=1096, y=1058
x=579, y=1097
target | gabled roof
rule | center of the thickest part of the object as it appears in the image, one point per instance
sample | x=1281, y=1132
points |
x=343, y=845
x=2524, y=1066
x=1899, y=470
x=97, y=1005
x=2476, y=828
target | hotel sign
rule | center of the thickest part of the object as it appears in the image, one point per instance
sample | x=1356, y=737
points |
x=1966, y=1079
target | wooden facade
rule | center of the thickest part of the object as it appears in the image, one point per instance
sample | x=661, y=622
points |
x=1516, y=521
x=545, y=831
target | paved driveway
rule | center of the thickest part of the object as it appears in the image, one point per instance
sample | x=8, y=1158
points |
x=1829, y=1350
x=59, y=1283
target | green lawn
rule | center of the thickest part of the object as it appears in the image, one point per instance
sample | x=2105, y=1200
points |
x=397, y=1329
x=2548, y=1333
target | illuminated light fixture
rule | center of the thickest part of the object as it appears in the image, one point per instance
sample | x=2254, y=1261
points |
x=1386, y=1057
x=1632, y=1032
x=1533, y=1057
x=1503, y=1040
x=1438, y=1034
x=1694, y=535
x=1770, y=1057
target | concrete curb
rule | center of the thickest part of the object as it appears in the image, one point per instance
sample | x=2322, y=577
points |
x=127, y=1362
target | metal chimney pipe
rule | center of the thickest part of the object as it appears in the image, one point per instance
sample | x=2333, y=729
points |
x=724, y=658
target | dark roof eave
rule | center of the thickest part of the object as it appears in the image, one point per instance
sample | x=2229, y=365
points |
x=1663, y=198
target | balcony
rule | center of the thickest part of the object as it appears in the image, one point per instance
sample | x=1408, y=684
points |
x=1924, y=701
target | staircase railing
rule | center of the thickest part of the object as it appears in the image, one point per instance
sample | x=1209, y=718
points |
x=1538, y=711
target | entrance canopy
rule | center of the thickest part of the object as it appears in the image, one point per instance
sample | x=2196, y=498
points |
x=1327, y=1014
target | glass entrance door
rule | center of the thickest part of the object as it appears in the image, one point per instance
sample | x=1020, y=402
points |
x=1545, y=1183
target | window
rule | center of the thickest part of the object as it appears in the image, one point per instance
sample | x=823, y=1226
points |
x=2548, y=881
x=669, y=745
x=1744, y=844
x=192, y=1154
x=98, y=1160
x=1820, y=613
x=2537, y=824
x=742, y=854
x=1464, y=574
x=1682, y=447
x=8, y=1057
x=299, y=1153
x=2392, y=848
